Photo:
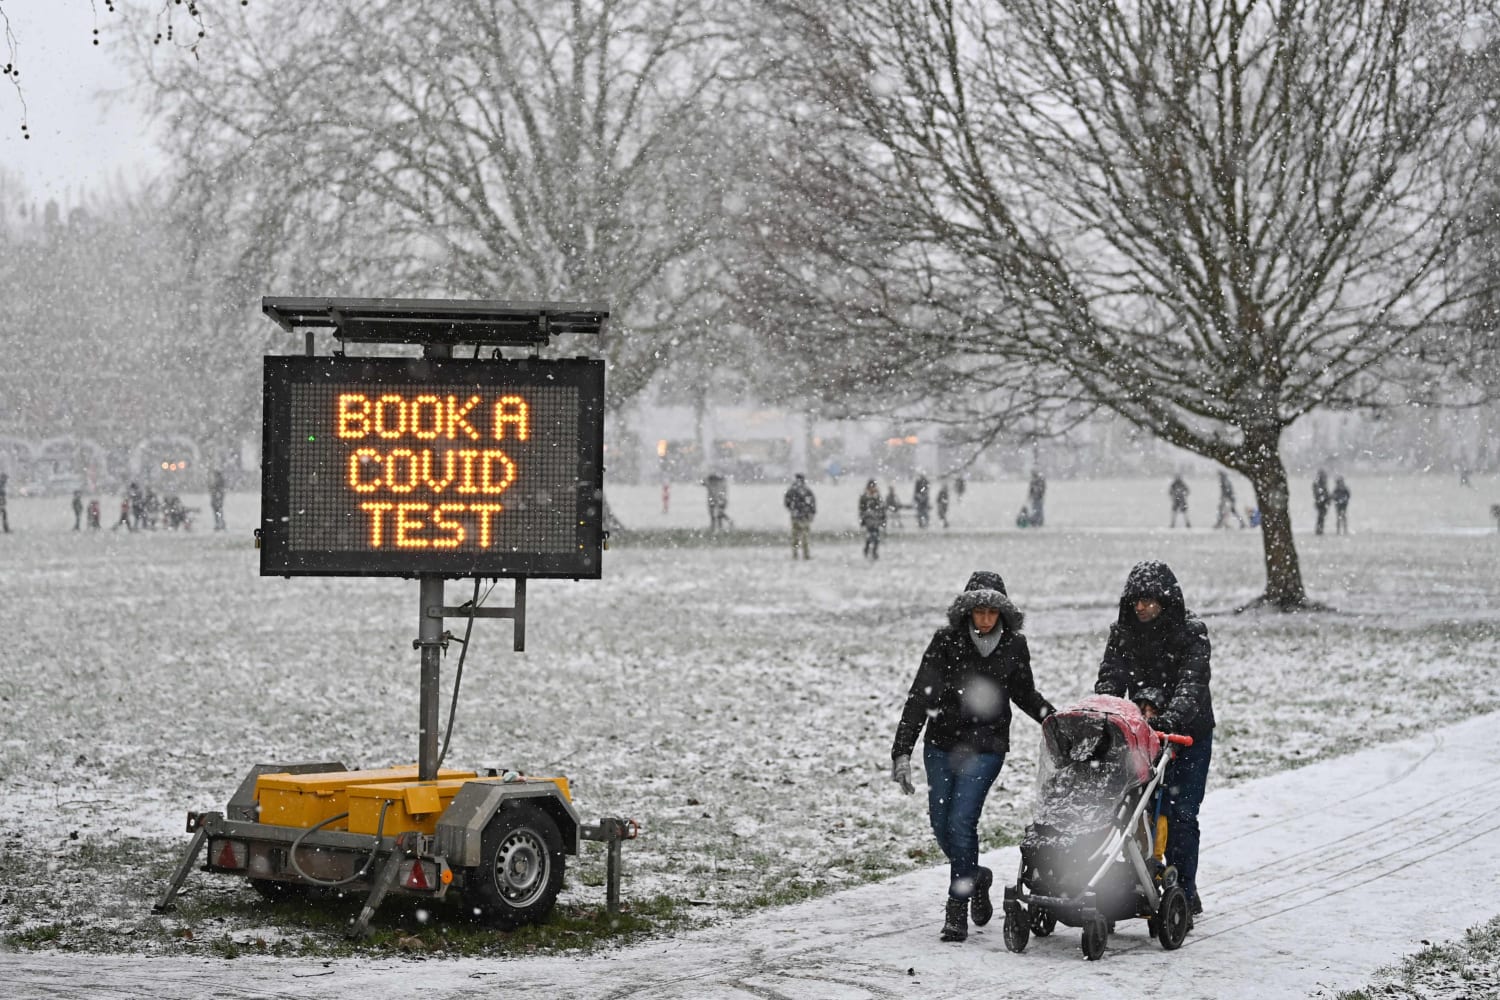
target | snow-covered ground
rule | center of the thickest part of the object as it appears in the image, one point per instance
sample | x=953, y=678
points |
x=740, y=705
x=1320, y=875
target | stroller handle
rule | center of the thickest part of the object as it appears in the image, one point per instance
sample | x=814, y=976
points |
x=1186, y=741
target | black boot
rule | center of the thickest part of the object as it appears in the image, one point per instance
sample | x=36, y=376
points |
x=956, y=922
x=980, y=907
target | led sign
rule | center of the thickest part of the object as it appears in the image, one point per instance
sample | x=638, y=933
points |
x=398, y=467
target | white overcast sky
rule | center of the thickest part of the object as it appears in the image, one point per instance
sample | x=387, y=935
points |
x=74, y=146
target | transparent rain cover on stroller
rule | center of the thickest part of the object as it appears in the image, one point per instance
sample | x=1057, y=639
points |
x=1094, y=754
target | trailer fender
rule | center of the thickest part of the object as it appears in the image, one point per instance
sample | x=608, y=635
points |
x=461, y=827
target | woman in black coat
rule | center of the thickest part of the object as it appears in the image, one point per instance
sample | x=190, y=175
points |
x=1158, y=656
x=971, y=673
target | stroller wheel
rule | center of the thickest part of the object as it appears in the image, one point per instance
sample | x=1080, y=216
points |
x=1095, y=933
x=1017, y=929
x=1043, y=922
x=1172, y=919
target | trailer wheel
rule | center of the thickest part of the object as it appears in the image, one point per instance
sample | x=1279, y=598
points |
x=521, y=865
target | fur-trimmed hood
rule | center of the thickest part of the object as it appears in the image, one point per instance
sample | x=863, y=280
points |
x=985, y=590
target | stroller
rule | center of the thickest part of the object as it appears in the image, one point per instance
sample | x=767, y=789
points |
x=1093, y=852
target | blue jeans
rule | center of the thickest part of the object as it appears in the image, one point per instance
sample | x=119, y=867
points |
x=1182, y=794
x=957, y=783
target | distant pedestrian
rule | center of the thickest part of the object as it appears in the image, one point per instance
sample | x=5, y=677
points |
x=1036, y=493
x=1226, y=502
x=126, y=517
x=1178, y=491
x=216, y=499
x=718, y=501
x=942, y=504
x=1340, y=497
x=893, y=507
x=1495, y=513
x=137, y=505
x=94, y=514
x=666, y=496
x=958, y=489
x=78, y=510
x=1253, y=513
x=803, y=506
x=1320, y=498
x=872, y=518
x=921, y=499
x=4, y=514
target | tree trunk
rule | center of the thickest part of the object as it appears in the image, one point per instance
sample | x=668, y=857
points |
x=1283, y=572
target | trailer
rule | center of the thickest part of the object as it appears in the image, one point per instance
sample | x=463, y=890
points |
x=432, y=468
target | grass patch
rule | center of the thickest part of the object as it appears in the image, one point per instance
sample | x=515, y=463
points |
x=1457, y=970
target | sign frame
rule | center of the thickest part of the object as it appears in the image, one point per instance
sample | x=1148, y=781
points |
x=278, y=557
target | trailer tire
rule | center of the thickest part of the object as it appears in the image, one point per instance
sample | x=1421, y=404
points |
x=521, y=865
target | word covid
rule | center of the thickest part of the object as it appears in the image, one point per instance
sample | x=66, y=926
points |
x=430, y=469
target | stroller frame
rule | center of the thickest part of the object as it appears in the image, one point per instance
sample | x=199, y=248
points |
x=1027, y=912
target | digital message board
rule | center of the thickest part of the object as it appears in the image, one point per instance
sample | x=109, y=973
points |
x=401, y=467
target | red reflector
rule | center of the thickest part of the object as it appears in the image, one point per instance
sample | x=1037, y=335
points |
x=231, y=854
x=418, y=877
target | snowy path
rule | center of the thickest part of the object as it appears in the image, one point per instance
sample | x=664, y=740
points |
x=1312, y=878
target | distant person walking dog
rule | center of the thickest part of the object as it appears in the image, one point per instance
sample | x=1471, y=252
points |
x=803, y=506
x=1178, y=491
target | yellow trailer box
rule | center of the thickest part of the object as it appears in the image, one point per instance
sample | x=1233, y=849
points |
x=305, y=800
x=416, y=805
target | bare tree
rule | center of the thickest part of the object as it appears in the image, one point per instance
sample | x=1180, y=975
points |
x=487, y=148
x=1207, y=216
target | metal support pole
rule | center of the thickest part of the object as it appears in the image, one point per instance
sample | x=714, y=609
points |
x=612, y=877
x=429, y=640
x=200, y=837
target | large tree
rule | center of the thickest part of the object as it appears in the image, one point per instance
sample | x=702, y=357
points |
x=470, y=148
x=1207, y=216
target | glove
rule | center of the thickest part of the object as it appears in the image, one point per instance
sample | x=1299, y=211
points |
x=901, y=773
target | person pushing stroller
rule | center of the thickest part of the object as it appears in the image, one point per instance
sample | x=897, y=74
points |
x=972, y=671
x=1158, y=656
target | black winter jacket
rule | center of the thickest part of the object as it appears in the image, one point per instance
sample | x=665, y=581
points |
x=1165, y=661
x=962, y=697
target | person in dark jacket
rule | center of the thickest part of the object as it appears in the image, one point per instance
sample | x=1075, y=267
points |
x=872, y=518
x=973, y=670
x=1340, y=498
x=1158, y=656
x=1320, y=499
x=803, y=506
